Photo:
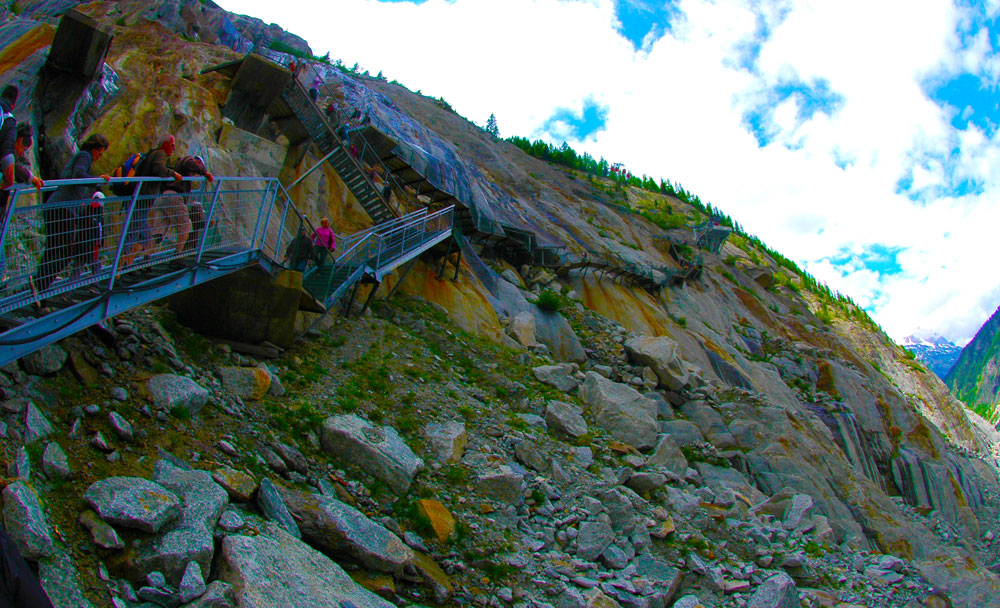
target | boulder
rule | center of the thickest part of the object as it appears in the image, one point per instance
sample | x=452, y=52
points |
x=36, y=425
x=192, y=585
x=779, y=591
x=645, y=481
x=522, y=329
x=250, y=383
x=593, y=538
x=342, y=532
x=620, y=410
x=446, y=441
x=45, y=361
x=55, y=463
x=276, y=569
x=669, y=456
x=682, y=431
x=662, y=355
x=376, y=450
x=25, y=521
x=559, y=376
x=237, y=484
x=501, y=484
x=273, y=506
x=565, y=418
x=133, y=502
x=102, y=534
x=121, y=427
x=189, y=538
x=58, y=576
x=555, y=332
x=441, y=520
x=218, y=594
x=170, y=391
x=710, y=423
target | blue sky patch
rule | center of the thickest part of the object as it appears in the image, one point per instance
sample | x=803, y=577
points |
x=878, y=258
x=639, y=18
x=954, y=184
x=811, y=98
x=971, y=100
x=578, y=125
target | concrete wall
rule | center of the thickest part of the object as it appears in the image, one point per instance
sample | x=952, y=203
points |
x=247, y=306
x=266, y=155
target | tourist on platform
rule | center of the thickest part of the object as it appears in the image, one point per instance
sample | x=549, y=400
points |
x=171, y=210
x=59, y=211
x=89, y=235
x=154, y=164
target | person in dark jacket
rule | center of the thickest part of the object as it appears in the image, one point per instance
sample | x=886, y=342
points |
x=8, y=135
x=154, y=164
x=59, y=215
x=299, y=251
x=22, y=175
x=19, y=587
x=89, y=235
x=171, y=209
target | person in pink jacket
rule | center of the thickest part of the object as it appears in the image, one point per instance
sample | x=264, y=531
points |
x=324, y=241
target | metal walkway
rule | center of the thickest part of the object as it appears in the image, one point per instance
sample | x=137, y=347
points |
x=72, y=264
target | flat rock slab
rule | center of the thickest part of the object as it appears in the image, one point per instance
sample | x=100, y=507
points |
x=376, y=450
x=133, y=502
x=36, y=424
x=340, y=530
x=237, y=484
x=273, y=506
x=276, y=569
x=171, y=391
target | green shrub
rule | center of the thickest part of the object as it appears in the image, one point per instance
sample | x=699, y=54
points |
x=730, y=260
x=549, y=301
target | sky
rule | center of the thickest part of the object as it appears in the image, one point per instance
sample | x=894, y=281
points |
x=857, y=138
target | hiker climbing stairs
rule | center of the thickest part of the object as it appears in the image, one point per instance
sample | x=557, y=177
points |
x=336, y=153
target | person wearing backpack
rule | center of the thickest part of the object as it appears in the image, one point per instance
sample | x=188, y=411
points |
x=59, y=212
x=171, y=210
x=154, y=164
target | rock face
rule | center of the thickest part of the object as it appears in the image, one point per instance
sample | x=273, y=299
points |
x=522, y=329
x=133, y=502
x=621, y=410
x=341, y=531
x=170, y=391
x=376, y=450
x=276, y=569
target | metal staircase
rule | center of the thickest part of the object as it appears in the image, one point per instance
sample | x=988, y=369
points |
x=336, y=153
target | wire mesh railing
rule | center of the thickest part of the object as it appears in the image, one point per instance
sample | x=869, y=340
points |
x=54, y=242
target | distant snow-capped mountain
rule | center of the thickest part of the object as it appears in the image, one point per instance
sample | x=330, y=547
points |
x=937, y=352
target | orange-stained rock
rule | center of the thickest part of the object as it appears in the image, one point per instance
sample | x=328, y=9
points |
x=433, y=576
x=382, y=584
x=598, y=599
x=441, y=520
x=464, y=300
x=665, y=529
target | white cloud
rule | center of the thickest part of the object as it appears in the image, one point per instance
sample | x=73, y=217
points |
x=676, y=110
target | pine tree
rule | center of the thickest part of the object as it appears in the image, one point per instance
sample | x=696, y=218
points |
x=491, y=126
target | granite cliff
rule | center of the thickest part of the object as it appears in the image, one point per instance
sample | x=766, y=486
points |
x=734, y=438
